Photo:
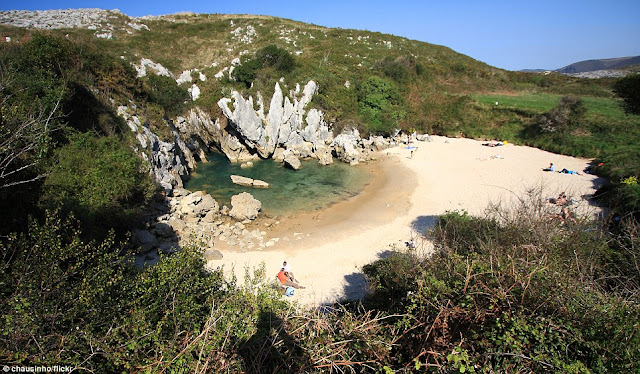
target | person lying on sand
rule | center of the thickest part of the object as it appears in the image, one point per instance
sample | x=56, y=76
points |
x=567, y=171
x=550, y=168
x=496, y=144
x=286, y=280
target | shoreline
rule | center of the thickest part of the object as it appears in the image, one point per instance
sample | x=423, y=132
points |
x=327, y=248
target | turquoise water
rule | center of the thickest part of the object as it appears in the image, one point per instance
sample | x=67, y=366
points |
x=312, y=187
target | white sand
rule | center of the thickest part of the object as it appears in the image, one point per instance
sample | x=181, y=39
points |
x=327, y=249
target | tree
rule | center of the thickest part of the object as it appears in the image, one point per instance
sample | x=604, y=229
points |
x=628, y=88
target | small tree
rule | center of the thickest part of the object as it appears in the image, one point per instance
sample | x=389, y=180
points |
x=628, y=88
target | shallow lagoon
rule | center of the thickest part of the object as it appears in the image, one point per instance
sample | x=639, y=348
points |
x=312, y=187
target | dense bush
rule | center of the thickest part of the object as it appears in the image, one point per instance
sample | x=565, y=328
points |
x=568, y=113
x=165, y=92
x=628, y=88
x=516, y=292
x=379, y=100
x=100, y=179
x=84, y=305
x=270, y=56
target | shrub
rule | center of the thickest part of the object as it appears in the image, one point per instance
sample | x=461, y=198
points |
x=569, y=112
x=101, y=179
x=512, y=292
x=628, y=88
x=165, y=92
x=395, y=69
x=378, y=100
x=270, y=56
x=247, y=71
x=275, y=57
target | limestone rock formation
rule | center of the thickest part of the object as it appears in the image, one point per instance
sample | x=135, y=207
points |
x=346, y=146
x=287, y=125
x=242, y=181
x=244, y=207
x=291, y=160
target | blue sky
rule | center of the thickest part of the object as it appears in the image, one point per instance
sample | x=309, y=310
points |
x=511, y=35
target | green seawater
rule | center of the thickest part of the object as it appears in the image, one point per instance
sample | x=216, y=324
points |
x=311, y=187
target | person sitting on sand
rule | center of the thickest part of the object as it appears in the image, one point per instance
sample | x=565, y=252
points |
x=550, y=168
x=562, y=200
x=287, y=268
x=286, y=280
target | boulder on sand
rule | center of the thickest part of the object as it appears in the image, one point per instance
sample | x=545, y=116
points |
x=244, y=207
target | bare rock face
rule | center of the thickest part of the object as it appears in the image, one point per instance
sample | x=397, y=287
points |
x=257, y=183
x=248, y=182
x=242, y=181
x=286, y=126
x=291, y=160
x=346, y=146
x=212, y=255
x=244, y=207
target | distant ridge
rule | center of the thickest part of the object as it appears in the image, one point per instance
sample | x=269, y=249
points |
x=602, y=64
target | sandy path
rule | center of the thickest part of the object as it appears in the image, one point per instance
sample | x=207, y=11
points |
x=327, y=249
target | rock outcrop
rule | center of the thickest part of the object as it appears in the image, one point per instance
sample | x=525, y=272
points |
x=286, y=126
x=248, y=182
x=244, y=207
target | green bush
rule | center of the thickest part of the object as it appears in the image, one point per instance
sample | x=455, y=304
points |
x=379, y=103
x=278, y=58
x=101, y=179
x=395, y=69
x=165, y=92
x=270, y=56
x=247, y=71
x=568, y=113
x=628, y=88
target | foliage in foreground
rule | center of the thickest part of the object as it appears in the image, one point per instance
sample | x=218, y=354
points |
x=512, y=293
x=84, y=304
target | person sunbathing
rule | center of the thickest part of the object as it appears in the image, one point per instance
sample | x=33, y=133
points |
x=496, y=144
x=567, y=171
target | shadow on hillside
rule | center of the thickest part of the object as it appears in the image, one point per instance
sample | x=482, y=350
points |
x=152, y=237
x=272, y=350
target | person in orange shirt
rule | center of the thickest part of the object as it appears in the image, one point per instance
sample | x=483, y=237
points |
x=286, y=280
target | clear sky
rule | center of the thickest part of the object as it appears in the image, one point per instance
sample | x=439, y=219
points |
x=509, y=34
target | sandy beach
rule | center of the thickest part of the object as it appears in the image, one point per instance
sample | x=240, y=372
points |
x=327, y=249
